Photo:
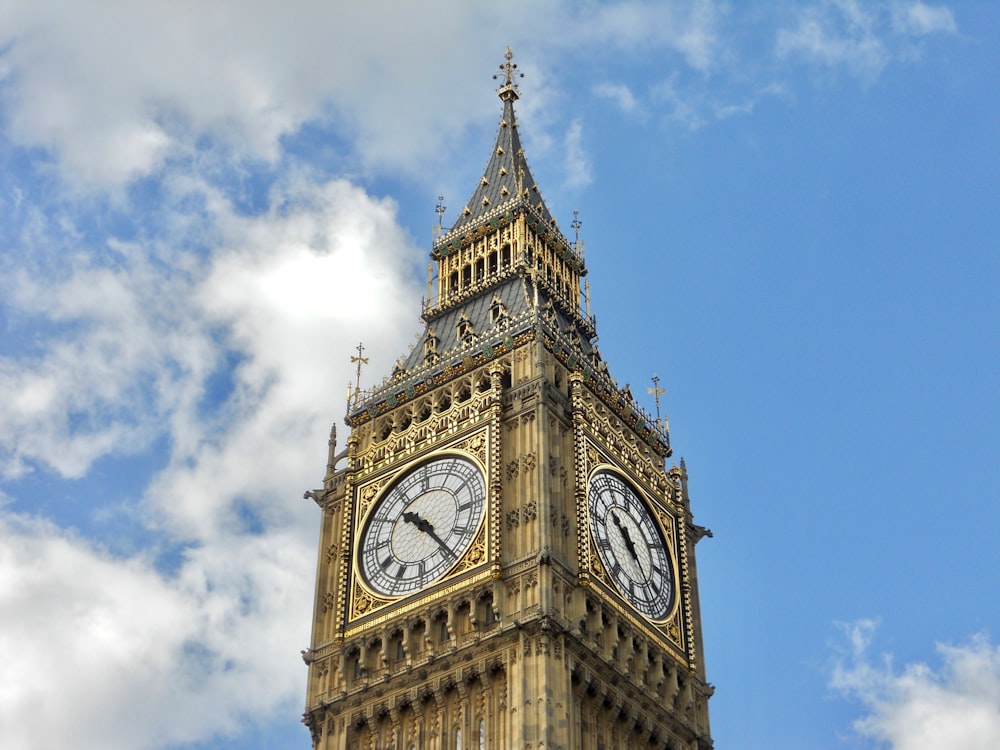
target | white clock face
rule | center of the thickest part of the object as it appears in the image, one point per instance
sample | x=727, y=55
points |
x=422, y=525
x=631, y=545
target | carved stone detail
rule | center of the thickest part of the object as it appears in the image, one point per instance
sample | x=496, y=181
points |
x=512, y=468
x=476, y=445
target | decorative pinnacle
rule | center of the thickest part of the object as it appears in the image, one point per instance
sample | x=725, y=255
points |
x=510, y=71
x=576, y=224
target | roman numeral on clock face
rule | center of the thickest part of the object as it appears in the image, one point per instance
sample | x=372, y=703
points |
x=630, y=544
x=421, y=525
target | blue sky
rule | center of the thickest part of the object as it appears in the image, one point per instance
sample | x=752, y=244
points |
x=790, y=213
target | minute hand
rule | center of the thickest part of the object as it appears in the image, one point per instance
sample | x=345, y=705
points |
x=426, y=527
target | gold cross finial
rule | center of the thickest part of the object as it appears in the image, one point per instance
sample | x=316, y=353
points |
x=361, y=361
x=439, y=209
x=509, y=66
x=657, y=392
x=509, y=71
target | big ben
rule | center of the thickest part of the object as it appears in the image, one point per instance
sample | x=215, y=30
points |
x=505, y=558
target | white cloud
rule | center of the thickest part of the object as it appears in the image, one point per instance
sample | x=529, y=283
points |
x=683, y=108
x=619, y=93
x=687, y=28
x=860, y=37
x=577, y=164
x=956, y=705
x=288, y=293
x=114, y=91
x=102, y=653
x=294, y=290
x=919, y=19
x=840, y=33
x=102, y=380
x=132, y=344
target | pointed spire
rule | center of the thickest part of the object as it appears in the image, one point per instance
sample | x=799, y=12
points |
x=506, y=181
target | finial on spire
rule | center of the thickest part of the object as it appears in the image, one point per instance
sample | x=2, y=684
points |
x=576, y=224
x=509, y=70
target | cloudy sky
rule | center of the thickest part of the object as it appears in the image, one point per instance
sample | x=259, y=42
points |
x=790, y=212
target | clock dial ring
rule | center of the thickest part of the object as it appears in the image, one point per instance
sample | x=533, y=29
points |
x=422, y=525
x=631, y=545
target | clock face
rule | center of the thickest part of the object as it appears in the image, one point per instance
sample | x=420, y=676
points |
x=631, y=545
x=422, y=525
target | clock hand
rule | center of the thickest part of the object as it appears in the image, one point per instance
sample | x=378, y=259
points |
x=426, y=527
x=629, y=544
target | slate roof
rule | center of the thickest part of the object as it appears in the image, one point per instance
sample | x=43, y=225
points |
x=516, y=294
x=506, y=181
x=513, y=294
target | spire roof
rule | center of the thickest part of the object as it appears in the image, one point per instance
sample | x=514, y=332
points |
x=506, y=182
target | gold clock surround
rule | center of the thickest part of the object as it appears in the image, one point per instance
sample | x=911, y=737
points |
x=364, y=601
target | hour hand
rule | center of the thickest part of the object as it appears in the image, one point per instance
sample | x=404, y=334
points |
x=422, y=524
x=426, y=527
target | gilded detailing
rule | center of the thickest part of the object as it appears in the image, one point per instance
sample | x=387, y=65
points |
x=435, y=415
x=345, y=531
x=495, y=489
x=581, y=465
x=482, y=259
x=422, y=605
x=673, y=627
x=404, y=388
x=363, y=600
x=616, y=401
x=686, y=591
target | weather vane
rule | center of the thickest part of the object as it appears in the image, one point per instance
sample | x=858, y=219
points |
x=576, y=224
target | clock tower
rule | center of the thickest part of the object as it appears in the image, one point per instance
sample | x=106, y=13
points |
x=505, y=559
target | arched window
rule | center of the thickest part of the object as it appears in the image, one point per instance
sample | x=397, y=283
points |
x=443, y=629
x=458, y=739
x=482, y=735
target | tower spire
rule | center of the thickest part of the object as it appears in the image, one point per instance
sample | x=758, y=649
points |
x=506, y=183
